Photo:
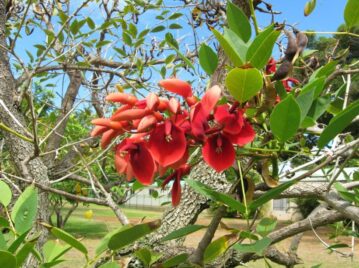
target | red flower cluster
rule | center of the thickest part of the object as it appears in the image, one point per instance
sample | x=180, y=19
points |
x=161, y=132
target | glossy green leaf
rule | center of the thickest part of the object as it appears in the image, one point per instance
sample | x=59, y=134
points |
x=176, y=260
x=309, y=7
x=7, y=259
x=6, y=195
x=324, y=71
x=203, y=189
x=269, y=195
x=243, y=84
x=236, y=42
x=132, y=234
x=69, y=239
x=265, y=226
x=351, y=13
x=338, y=123
x=261, y=47
x=24, y=252
x=238, y=22
x=218, y=247
x=24, y=211
x=257, y=247
x=228, y=48
x=208, y=59
x=285, y=119
x=189, y=229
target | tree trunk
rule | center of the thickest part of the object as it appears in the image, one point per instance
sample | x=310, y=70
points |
x=20, y=150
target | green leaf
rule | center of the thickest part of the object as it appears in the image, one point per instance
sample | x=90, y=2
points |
x=90, y=23
x=269, y=195
x=69, y=239
x=175, y=16
x=189, y=229
x=53, y=250
x=279, y=87
x=175, y=26
x=103, y=43
x=257, y=247
x=17, y=242
x=324, y=71
x=203, y=189
x=285, y=118
x=3, y=245
x=110, y=265
x=103, y=245
x=238, y=22
x=338, y=123
x=127, y=39
x=309, y=7
x=176, y=260
x=144, y=255
x=351, y=13
x=207, y=59
x=218, y=247
x=319, y=106
x=344, y=193
x=261, y=47
x=243, y=84
x=24, y=252
x=228, y=48
x=7, y=259
x=157, y=29
x=316, y=85
x=305, y=100
x=339, y=245
x=265, y=226
x=6, y=195
x=24, y=211
x=236, y=42
x=132, y=234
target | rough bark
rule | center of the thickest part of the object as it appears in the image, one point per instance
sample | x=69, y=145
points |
x=20, y=150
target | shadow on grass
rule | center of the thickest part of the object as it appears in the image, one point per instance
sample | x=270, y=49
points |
x=86, y=228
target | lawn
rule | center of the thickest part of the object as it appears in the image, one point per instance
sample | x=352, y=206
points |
x=310, y=250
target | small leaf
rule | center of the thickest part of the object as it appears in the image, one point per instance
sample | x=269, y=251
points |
x=17, y=242
x=7, y=259
x=269, y=195
x=243, y=84
x=265, y=226
x=319, y=106
x=176, y=260
x=279, y=87
x=127, y=39
x=157, y=29
x=24, y=252
x=257, y=247
x=110, y=265
x=144, y=255
x=6, y=195
x=189, y=229
x=24, y=211
x=285, y=119
x=218, y=247
x=129, y=235
x=208, y=59
x=351, y=13
x=69, y=239
x=261, y=47
x=175, y=26
x=338, y=123
x=90, y=23
x=309, y=7
x=216, y=196
x=228, y=48
x=324, y=71
x=238, y=22
x=175, y=16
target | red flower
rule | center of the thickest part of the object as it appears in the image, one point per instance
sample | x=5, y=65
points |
x=133, y=158
x=232, y=121
x=176, y=187
x=271, y=66
x=218, y=152
x=123, y=98
x=246, y=135
x=177, y=86
x=167, y=143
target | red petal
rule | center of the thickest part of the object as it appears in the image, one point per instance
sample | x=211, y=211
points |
x=121, y=162
x=167, y=150
x=191, y=100
x=129, y=172
x=108, y=136
x=131, y=114
x=163, y=104
x=142, y=164
x=107, y=123
x=174, y=106
x=246, y=135
x=146, y=122
x=211, y=98
x=218, y=158
x=152, y=101
x=122, y=98
x=98, y=130
x=120, y=110
x=177, y=86
x=232, y=122
x=199, y=122
x=180, y=162
x=176, y=192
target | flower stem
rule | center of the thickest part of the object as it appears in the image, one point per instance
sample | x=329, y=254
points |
x=253, y=15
